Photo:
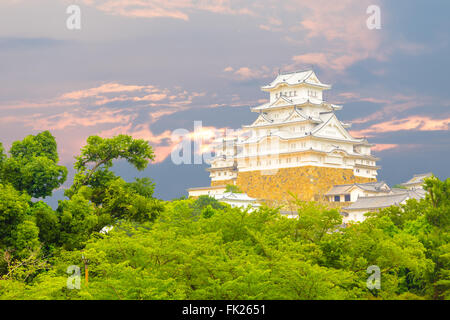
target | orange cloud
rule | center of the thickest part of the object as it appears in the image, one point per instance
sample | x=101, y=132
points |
x=79, y=118
x=414, y=123
x=105, y=88
x=382, y=147
x=73, y=125
x=246, y=73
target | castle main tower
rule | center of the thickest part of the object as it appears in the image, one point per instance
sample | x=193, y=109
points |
x=296, y=145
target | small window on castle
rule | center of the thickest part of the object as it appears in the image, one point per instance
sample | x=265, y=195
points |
x=337, y=198
x=347, y=198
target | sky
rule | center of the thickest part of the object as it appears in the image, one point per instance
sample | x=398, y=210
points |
x=148, y=68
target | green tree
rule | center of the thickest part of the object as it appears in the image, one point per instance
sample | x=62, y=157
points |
x=18, y=230
x=97, y=158
x=78, y=219
x=131, y=201
x=47, y=222
x=14, y=208
x=232, y=188
x=2, y=156
x=436, y=240
x=204, y=201
x=32, y=166
x=143, y=186
x=26, y=238
x=315, y=220
x=438, y=194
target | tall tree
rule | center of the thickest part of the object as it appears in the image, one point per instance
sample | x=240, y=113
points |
x=97, y=157
x=33, y=165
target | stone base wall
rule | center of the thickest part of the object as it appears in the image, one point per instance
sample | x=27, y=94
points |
x=223, y=182
x=307, y=183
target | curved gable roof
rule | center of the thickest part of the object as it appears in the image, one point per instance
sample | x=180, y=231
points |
x=328, y=118
x=296, y=78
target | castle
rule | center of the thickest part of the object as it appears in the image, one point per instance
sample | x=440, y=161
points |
x=296, y=145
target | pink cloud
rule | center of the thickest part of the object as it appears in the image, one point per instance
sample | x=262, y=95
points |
x=80, y=113
x=392, y=107
x=175, y=9
x=79, y=118
x=382, y=147
x=246, y=73
x=102, y=89
x=413, y=123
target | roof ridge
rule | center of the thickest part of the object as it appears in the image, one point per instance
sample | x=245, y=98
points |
x=391, y=195
x=422, y=174
x=373, y=182
x=298, y=71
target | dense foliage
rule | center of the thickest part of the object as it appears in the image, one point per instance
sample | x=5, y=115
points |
x=139, y=247
x=32, y=165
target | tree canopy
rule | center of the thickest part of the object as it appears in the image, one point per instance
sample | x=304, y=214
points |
x=140, y=247
x=33, y=165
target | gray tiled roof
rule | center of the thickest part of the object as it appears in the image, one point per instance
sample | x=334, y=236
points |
x=417, y=194
x=378, y=202
x=417, y=178
x=370, y=186
x=339, y=189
